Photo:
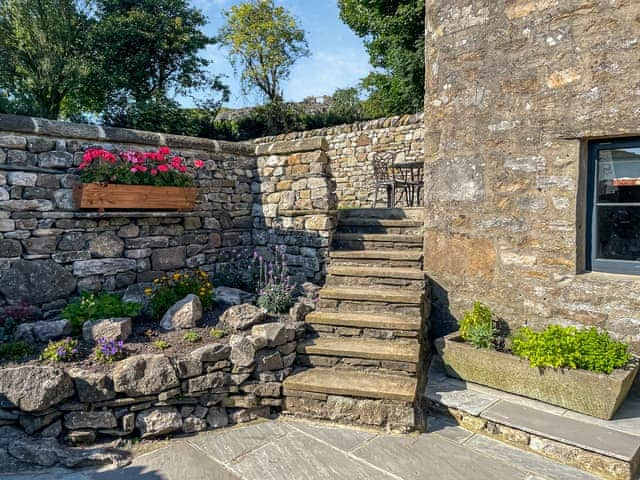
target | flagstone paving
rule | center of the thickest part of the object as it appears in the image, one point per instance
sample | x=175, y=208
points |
x=291, y=450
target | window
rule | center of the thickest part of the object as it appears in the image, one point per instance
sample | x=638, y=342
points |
x=613, y=243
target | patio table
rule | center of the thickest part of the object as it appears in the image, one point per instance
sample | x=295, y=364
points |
x=409, y=176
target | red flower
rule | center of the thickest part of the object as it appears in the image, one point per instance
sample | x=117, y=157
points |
x=182, y=169
x=176, y=162
x=164, y=151
x=198, y=163
x=163, y=168
x=154, y=171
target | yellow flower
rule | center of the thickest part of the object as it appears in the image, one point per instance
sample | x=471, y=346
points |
x=148, y=291
x=176, y=276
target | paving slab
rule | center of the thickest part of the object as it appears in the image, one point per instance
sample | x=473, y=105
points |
x=447, y=427
x=589, y=436
x=179, y=461
x=453, y=393
x=228, y=444
x=345, y=439
x=626, y=419
x=528, y=461
x=53, y=474
x=299, y=456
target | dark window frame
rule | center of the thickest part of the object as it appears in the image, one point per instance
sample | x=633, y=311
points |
x=593, y=263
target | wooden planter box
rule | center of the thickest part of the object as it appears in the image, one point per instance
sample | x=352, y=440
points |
x=596, y=394
x=138, y=197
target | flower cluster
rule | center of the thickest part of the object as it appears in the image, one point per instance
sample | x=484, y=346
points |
x=13, y=315
x=136, y=168
x=167, y=290
x=276, y=290
x=62, y=351
x=108, y=351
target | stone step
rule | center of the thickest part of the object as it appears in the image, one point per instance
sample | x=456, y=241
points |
x=367, y=241
x=365, y=320
x=608, y=448
x=379, y=225
x=391, y=277
x=353, y=384
x=370, y=295
x=377, y=258
x=363, y=348
x=383, y=213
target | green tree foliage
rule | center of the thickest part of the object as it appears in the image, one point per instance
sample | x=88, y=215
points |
x=394, y=37
x=43, y=58
x=264, y=42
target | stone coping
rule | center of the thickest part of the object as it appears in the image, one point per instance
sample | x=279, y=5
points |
x=124, y=213
x=52, y=128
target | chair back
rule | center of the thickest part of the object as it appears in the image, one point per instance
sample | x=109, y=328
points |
x=382, y=163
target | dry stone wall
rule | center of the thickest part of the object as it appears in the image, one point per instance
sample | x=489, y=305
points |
x=514, y=90
x=350, y=149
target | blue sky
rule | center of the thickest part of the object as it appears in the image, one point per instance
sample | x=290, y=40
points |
x=338, y=58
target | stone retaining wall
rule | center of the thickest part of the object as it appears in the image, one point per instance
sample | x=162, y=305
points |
x=147, y=395
x=350, y=148
x=506, y=157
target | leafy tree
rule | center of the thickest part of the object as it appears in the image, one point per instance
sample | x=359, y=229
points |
x=264, y=42
x=42, y=56
x=394, y=37
x=146, y=51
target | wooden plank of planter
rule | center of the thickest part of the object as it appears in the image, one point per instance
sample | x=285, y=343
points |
x=138, y=197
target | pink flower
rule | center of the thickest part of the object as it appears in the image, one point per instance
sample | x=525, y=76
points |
x=163, y=168
x=142, y=168
x=198, y=163
x=182, y=169
x=154, y=171
x=134, y=169
x=164, y=151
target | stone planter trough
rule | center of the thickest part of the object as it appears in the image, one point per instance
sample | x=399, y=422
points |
x=594, y=394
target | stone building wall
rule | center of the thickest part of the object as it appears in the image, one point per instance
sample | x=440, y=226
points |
x=514, y=90
x=350, y=148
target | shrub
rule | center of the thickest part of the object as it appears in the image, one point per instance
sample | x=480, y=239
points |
x=161, y=344
x=478, y=326
x=109, y=351
x=13, y=315
x=16, y=350
x=170, y=289
x=91, y=307
x=61, y=351
x=275, y=292
x=558, y=347
x=191, y=337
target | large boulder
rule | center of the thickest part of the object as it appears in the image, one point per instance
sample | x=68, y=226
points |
x=43, y=331
x=233, y=296
x=184, y=314
x=241, y=317
x=36, y=281
x=144, y=375
x=158, y=421
x=92, y=386
x=108, y=328
x=32, y=388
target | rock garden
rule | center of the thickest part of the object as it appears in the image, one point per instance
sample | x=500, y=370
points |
x=182, y=354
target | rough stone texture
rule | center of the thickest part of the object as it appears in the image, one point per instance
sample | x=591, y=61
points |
x=159, y=421
x=43, y=331
x=92, y=386
x=33, y=388
x=242, y=351
x=37, y=281
x=233, y=296
x=107, y=244
x=108, y=328
x=184, y=314
x=144, y=375
x=93, y=420
x=273, y=334
x=241, y=317
x=505, y=182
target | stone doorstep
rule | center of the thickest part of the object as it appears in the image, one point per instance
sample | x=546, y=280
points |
x=401, y=255
x=378, y=237
x=365, y=320
x=390, y=272
x=372, y=295
x=477, y=405
x=355, y=384
x=360, y=347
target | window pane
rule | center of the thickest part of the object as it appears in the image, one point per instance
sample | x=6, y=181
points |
x=619, y=175
x=618, y=233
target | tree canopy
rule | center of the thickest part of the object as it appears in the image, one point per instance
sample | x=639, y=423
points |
x=393, y=31
x=264, y=43
x=42, y=56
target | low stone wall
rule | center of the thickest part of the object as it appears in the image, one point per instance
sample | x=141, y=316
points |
x=350, y=148
x=147, y=395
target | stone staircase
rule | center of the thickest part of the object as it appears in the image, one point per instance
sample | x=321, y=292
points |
x=364, y=359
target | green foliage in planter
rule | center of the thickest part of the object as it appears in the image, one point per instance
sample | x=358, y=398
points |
x=16, y=350
x=558, y=347
x=92, y=307
x=478, y=326
x=170, y=289
x=61, y=351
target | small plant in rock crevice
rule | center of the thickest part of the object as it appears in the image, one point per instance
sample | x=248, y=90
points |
x=161, y=344
x=191, y=337
x=109, y=351
x=61, y=351
x=478, y=326
x=93, y=307
x=276, y=289
x=217, y=333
